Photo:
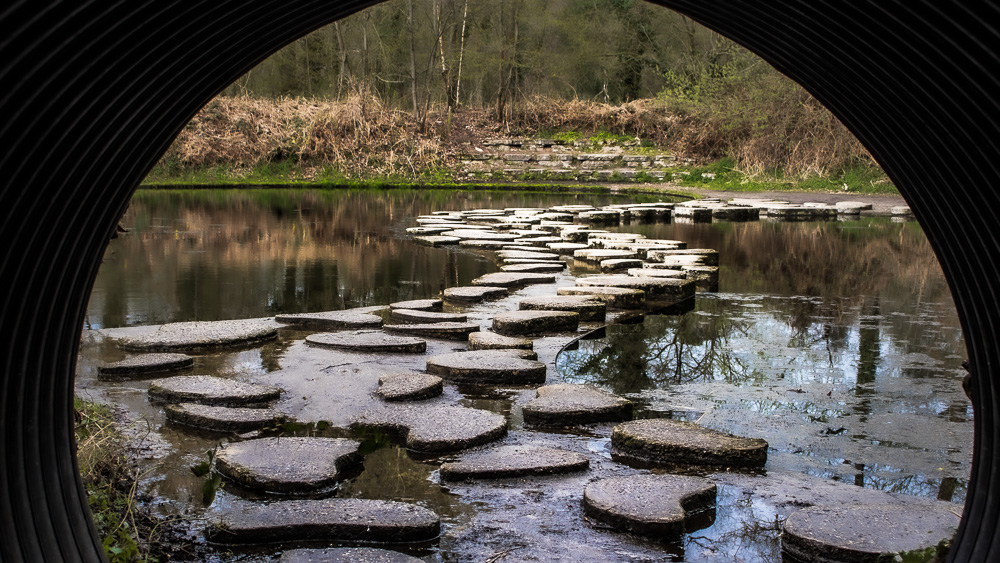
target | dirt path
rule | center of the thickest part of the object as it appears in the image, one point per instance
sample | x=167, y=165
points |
x=881, y=203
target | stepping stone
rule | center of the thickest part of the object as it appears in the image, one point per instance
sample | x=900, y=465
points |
x=565, y=248
x=222, y=419
x=208, y=390
x=436, y=240
x=523, y=248
x=655, y=288
x=144, y=364
x=708, y=274
x=288, y=464
x=418, y=305
x=597, y=255
x=429, y=230
x=345, y=555
x=616, y=264
x=566, y=404
x=414, y=316
x=201, y=335
x=516, y=323
x=443, y=330
x=571, y=208
x=332, y=320
x=329, y=520
x=867, y=532
x=436, y=428
x=471, y=234
x=484, y=244
x=409, y=386
x=900, y=210
x=657, y=273
x=367, y=341
x=509, y=254
x=513, y=279
x=676, y=261
x=589, y=308
x=513, y=461
x=578, y=235
x=860, y=205
x=487, y=367
x=537, y=267
x=473, y=294
x=665, y=442
x=615, y=297
x=537, y=241
x=512, y=261
x=484, y=340
x=661, y=506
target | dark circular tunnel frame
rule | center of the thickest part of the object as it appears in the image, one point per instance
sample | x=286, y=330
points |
x=94, y=92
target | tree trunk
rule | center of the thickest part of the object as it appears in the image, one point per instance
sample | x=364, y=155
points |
x=461, y=55
x=413, y=62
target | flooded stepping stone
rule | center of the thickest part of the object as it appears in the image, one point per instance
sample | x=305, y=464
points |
x=409, y=386
x=414, y=316
x=436, y=240
x=867, y=532
x=567, y=403
x=345, y=555
x=201, y=335
x=473, y=294
x=333, y=519
x=665, y=442
x=332, y=320
x=615, y=297
x=418, y=305
x=484, y=244
x=565, y=248
x=589, y=308
x=436, y=428
x=618, y=264
x=144, y=364
x=657, y=273
x=708, y=274
x=472, y=234
x=429, y=230
x=288, y=464
x=443, y=330
x=655, y=288
x=596, y=255
x=517, y=323
x=368, y=341
x=485, y=340
x=662, y=506
x=513, y=461
x=536, y=267
x=222, y=419
x=208, y=390
x=513, y=279
x=511, y=254
x=487, y=367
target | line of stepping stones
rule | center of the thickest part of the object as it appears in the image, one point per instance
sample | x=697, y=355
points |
x=660, y=505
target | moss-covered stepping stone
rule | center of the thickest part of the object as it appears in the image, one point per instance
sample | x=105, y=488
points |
x=144, y=364
x=222, y=419
x=515, y=323
x=485, y=340
x=332, y=320
x=418, y=305
x=665, y=442
x=473, y=294
x=415, y=316
x=288, y=464
x=345, y=555
x=536, y=267
x=589, y=308
x=615, y=297
x=201, y=335
x=208, y=390
x=443, y=330
x=566, y=403
x=487, y=367
x=367, y=341
x=513, y=461
x=436, y=428
x=661, y=506
x=655, y=288
x=513, y=279
x=408, y=386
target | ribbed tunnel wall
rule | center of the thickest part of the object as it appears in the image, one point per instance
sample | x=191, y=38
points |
x=91, y=94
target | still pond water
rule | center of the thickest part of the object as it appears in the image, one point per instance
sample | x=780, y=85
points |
x=836, y=341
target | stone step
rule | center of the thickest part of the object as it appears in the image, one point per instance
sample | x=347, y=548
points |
x=614, y=297
x=409, y=386
x=443, y=330
x=654, y=288
x=332, y=320
x=660, y=506
x=144, y=364
x=485, y=340
x=201, y=335
x=367, y=341
x=565, y=404
x=288, y=464
x=236, y=420
x=418, y=305
x=666, y=442
x=513, y=461
x=436, y=428
x=473, y=294
x=208, y=390
x=415, y=316
x=488, y=367
x=345, y=555
x=519, y=323
x=513, y=279
x=589, y=308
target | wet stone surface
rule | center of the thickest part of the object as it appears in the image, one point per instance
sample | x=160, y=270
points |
x=516, y=323
x=415, y=316
x=201, y=335
x=437, y=428
x=472, y=234
x=287, y=464
x=411, y=386
x=444, y=330
x=208, y=390
x=615, y=297
x=657, y=273
x=332, y=320
x=589, y=308
x=512, y=254
x=368, y=341
x=222, y=419
x=598, y=255
x=665, y=442
x=618, y=264
x=335, y=519
x=511, y=280
x=473, y=294
x=436, y=240
x=485, y=340
x=144, y=364
x=418, y=305
x=710, y=256
x=663, y=506
x=547, y=267
x=566, y=403
x=487, y=367
x=513, y=461
x=655, y=288
x=345, y=555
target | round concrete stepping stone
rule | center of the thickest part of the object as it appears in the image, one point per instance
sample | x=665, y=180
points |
x=708, y=274
x=661, y=441
x=513, y=461
x=868, y=532
x=487, y=367
x=616, y=264
x=516, y=323
x=615, y=297
x=710, y=256
x=578, y=235
x=599, y=254
x=571, y=208
x=201, y=335
x=566, y=403
x=436, y=240
x=222, y=419
x=333, y=519
x=484, y=244
x=436, y=428
x=537, y=267
x=513, y=279
x=655, y=288
x=332, y=320
x=208, y=390
x=512, y=261
x=853, y=205
x=410, y=386
x=901, y=210
x=589, y=308
x=368, y=341
x=540, y=241
x=679, y=261
x=144, y=364
x=288, y=464
x=473, y=294
x=346, y=555
x=443, y=330
x=657, y=273
x=418, y=305
x=429, y=230
x=565, y=248
x=473, y=234
x=415, y=316
x=650, y=505
x=492, y=341
x=511, y=254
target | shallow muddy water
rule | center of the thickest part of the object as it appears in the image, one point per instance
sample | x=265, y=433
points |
x=835, y=341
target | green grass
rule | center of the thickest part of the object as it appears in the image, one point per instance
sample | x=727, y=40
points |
x=721, y=175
